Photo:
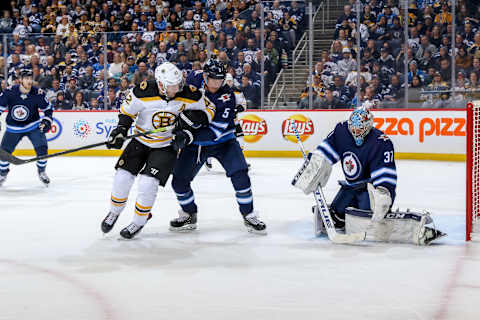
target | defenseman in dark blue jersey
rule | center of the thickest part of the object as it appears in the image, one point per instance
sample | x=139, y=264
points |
x=23, y=103
x=216, y=140
x=366, y=196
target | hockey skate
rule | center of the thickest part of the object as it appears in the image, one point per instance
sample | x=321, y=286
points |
x=109, y=222
x=130, y=231
x=185, y=222
x=42, y=175
x=253, y=224
x=3, y=177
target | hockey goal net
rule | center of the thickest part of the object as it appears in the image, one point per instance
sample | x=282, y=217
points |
x=473, y=170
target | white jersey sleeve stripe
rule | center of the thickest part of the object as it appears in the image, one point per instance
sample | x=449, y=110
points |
x=385, y=180
x=383, y=171
x=330, y=150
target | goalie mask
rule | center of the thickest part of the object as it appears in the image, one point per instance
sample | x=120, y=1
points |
x=168, y=75
x=359, y=124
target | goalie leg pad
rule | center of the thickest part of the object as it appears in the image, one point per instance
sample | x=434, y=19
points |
x=316, y=170
x=397, y=227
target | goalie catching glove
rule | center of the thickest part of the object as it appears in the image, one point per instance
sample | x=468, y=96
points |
x=316, y=170
x=380, y=201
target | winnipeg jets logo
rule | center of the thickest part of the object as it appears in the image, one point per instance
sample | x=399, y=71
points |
x=20, y=112
x=383, y=137
x=351, y=165
x=23, y=96
x=224, y=97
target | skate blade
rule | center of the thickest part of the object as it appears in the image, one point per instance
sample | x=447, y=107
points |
x=184, y=229
x=259, y=232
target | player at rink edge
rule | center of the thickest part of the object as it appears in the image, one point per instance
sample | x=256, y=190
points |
x=216, y=140
x=365, y=198
x=152, y=104
x=23, y=119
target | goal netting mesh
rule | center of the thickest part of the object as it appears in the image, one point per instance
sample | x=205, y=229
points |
x=473, y=171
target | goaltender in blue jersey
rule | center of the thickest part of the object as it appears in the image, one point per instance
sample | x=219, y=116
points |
x=23, y=102
x=365, y=198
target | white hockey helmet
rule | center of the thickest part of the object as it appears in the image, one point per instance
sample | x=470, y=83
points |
x=168, y=75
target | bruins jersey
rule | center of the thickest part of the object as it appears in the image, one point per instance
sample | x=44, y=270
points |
x=151, y=110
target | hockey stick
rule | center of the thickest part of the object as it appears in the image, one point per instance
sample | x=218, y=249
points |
x=5, y=156
x=323, y=208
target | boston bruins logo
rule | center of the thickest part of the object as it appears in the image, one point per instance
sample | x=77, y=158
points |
x=162, y=119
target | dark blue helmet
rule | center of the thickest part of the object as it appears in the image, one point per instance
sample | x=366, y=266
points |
x=214, y=69
x=26, y=73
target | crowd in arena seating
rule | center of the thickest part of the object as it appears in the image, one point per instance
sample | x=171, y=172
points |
x=66, y=43
x=382, y=66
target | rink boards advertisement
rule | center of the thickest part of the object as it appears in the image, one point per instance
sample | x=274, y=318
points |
x=416, y=133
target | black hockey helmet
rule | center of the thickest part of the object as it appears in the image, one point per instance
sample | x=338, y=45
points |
x=214, y=69
x=26, y=73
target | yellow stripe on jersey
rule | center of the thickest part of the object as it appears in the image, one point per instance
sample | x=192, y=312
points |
x=152, y=140
x=142, y=207
x=185, y=100
x=118, y=204
x=122, y=110
x=151, y=98
x=141, y=213
x=210, y=112
x=119, y=199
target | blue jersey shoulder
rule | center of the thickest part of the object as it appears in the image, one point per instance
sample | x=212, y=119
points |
x=195, y=78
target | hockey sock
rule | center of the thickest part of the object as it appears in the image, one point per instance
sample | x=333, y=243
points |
x=147, y=192
x=122, y=183
x=4, y=167
x=41, y=151
x=243, y=191
x=185, y=196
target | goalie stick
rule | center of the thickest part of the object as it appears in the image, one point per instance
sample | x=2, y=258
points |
x=5, y=156
x=323, y=208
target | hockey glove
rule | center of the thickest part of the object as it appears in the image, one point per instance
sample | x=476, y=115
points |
x=239, y=108
x=117, y=137
x=238, y=130
x=191, y=119
x=181, y=138
x=45, y=125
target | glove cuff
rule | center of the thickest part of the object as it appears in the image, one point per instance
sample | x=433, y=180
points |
x=189, y=135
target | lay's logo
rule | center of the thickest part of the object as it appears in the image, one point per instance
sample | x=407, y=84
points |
x=254, y=128
x=304, y=125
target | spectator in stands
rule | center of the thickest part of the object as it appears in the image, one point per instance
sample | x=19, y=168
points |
x=347, y=64
x=87, y=81
x=60, y=103
x=79, y=103
x=6, y=23
x=445, y=69
x=250, y=93
x=116, y=66
x=142, y=74
x=425, y=45
x=330, y=101
x=93, y=105
x=71, y=89
x=414, y=71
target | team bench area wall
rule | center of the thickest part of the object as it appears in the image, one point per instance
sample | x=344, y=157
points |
x=428, y=134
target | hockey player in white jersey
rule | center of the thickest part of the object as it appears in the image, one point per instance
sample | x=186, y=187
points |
x=153, y=105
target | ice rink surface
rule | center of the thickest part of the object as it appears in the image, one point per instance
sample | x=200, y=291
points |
x=56, y=264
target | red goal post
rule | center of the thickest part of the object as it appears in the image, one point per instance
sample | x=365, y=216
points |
x=473, y=170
